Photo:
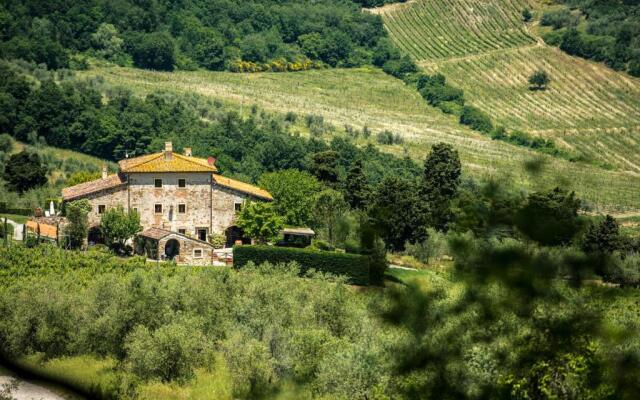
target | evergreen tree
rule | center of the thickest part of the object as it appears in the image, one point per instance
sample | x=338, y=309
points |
x=603, y=237
x=550, y=218
x=324, y=166
x=25, y=171
x=357, y=191
x=398, y=214
x=442, y=169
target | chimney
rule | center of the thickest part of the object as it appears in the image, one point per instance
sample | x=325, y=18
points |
x=105, y=172
x=168, y=151
x=211, y=161
x=187, y=151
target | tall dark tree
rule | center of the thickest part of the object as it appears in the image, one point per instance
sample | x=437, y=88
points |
x=603, y=237
x=325, y=166
x=153, y=51
x=550, y=218
x=398, y=213
x=357, y=189
x=25, y=171
x=440, y=183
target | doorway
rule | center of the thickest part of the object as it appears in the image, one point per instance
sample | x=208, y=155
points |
x=171, y=249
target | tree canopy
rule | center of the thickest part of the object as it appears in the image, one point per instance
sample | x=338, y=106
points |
x=212, y=34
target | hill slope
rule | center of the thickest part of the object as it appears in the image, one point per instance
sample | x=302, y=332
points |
x=379, y=101
x=490, y=53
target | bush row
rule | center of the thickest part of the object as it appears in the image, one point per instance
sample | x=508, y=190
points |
x=5, y=209
x=354, y=267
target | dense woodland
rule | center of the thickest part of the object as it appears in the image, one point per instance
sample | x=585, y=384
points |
x=607, y=31
x=215, y=35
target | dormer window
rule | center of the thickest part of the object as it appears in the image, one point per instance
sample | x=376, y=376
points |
x=182, y=183
x=157, y=183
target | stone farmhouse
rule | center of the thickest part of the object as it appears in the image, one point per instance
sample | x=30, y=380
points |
x=181, y=200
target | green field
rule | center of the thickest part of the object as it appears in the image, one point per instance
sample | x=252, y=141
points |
x=440, y=29
x=379, y=101
x=486, y=49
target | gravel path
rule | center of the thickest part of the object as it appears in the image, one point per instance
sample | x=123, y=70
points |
x=29, y=391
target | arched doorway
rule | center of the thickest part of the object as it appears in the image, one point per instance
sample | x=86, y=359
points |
x=235, y=234
x=95, y=236
x=171, y=249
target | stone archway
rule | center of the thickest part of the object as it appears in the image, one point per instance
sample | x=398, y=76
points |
x=234, y=234
x=171, y=249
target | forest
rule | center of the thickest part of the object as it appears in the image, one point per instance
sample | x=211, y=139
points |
x=605, y=31
x=215, y=35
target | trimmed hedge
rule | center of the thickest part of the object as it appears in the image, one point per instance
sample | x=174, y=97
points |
x=355, y=267
x=5, y=209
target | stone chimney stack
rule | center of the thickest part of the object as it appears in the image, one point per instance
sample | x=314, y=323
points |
x=168, y=150
x=105, y=172
x=187, y=151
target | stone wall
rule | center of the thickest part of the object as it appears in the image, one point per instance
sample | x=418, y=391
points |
x=143, y=197
x=206, y=207
x=108, y=198
x=187, y=250
x=223, y=203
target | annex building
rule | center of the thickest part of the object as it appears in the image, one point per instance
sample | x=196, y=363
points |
x=181, y=200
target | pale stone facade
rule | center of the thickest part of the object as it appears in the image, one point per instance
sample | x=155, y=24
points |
x=174, y=193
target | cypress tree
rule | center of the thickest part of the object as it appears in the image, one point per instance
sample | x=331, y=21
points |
x=357, y=188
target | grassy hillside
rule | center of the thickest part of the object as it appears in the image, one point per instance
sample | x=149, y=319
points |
x=379, y=101
x=588, y=108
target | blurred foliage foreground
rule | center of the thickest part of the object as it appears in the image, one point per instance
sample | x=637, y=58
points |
x=511, y=320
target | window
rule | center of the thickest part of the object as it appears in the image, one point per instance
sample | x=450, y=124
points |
x=202, y=234
x=197, y=253
x=101, y=208
x=182, y=183
x=238, y=206
x=157, y=183
x=158, y=208
x=182, y=231
x=182, y=208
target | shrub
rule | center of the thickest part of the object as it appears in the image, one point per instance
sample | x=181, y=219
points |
x=354, y=267
x=399, y=67
x=625, y=272
x=217, y=240
x=539, y=80
x=558, y=19
x=476, y=119
x=169, y=353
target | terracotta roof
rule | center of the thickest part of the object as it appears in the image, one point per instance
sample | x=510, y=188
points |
x=155, y=233
x=49, y=231
x=242, y=187
x=84, y=189
x=157, y=162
